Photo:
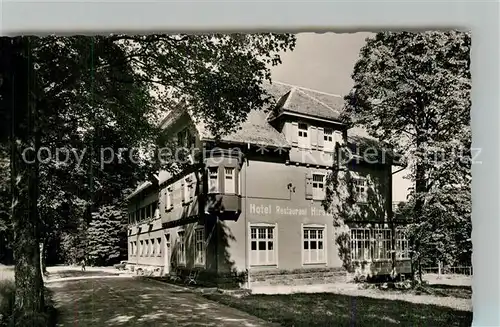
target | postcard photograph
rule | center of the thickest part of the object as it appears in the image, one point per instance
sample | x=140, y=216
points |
x=268, y=179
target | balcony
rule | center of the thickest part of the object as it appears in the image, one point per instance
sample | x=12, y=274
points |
x=226, y=206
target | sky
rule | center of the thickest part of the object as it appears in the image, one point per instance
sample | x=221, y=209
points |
x=324, y=62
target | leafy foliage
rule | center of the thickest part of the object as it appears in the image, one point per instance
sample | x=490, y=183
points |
x=412, y=90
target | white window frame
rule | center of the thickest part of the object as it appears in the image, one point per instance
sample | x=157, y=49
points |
x=360, y=186
x=146, y=242
x=303, y=136
x=158, y=244
x=169, y=201
x=181, y=252
x=328, y=140
x=187, y=189
x=402, y=244
x=213, y=172
x=199, y=246
x=266, y=260
x=231, y=181
x=361, y=238
x=314, y=256
x=153, y=247
x=318, y=193
x=382, y=244
x=240, y=174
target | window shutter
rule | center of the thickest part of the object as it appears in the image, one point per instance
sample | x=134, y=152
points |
x=220, y=179
x=237, y=174
x=338, y=137
x=183, y=193
x=309, y=188
x=314, y=137
x=295, y=133
x=321, y=138
x=192, y=184
x=163, y=200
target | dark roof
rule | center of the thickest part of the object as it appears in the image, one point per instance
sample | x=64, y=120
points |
x=256, y=130
x=310, y=103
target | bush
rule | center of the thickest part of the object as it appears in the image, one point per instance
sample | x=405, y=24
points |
x=7, y=318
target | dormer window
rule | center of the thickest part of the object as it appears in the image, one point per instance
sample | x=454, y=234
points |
x=185, y=138
x=303, y=139
x=213, y=180
x=229, y=180
x=328, y=140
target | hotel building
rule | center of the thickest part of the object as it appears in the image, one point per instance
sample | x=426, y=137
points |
x=252, y=201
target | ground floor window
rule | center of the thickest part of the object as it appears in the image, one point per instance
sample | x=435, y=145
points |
x=153, y=247
x=360, y=244
x=376, y=244
x=181, y=252
x=402, y=250
x=382, y=241
x=199, y=246
x=158, y=243
x=262, y=245
x=147, y=248
x=313, y=248
x=141, y=248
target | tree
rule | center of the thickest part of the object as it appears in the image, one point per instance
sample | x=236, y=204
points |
x=109, y=91
x=107, y=236
x=412, y=91
x=19, y=103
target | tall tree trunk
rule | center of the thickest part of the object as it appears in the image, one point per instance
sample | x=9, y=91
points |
x=29, y=296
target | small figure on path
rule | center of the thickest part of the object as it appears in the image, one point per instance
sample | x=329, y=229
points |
x=83, y=264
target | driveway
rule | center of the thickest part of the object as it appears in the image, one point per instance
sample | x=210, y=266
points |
x=139, y=302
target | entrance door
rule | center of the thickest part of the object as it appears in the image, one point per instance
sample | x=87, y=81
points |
x=166, y=256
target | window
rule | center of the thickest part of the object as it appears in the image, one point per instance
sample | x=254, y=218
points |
x=239, y=181
x=187, y=189
x=213, y=180
x=158, y=242
x=153, y=247
x=181, y=253
x=360, y=244
x=143, y=214
x=169, y=204
x=313, y=249
x=199, y=246
x=303, y=139
x=328, y=140
x=185, y=138
x=141, y=248
x=382, y=244
x=156, y=209
x=262, y=245
x=148, y=212
x=147, y=249
x=360, y=188
x=402, y=251
x=229, y=181
x=318, y=187
x=134, y=251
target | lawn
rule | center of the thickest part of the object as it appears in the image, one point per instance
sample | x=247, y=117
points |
x=326, y=309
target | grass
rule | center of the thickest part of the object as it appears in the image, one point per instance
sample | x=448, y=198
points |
x=325, y=309
x=46, y=319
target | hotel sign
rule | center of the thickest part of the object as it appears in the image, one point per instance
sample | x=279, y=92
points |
x=285, y=210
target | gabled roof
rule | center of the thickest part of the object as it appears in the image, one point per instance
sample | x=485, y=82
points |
x=308, y=102
x=256, y=130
